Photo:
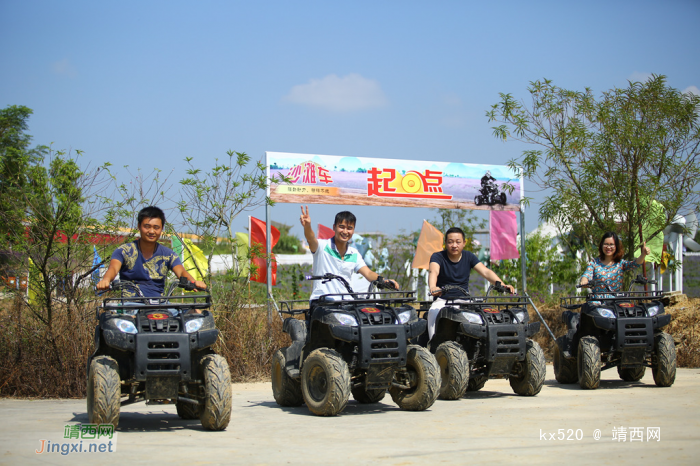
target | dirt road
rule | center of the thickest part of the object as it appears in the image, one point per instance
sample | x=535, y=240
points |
x=658, y=426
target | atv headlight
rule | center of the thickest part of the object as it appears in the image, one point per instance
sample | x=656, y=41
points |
x=653, y=310
x=473, y=317
x=605, y=312
x=345, y=319
x=125, y=326
x=404, y=317
x=193, y=325
x=520, y=316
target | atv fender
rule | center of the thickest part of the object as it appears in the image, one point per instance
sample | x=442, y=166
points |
x=295, y=328
x=292, y=356
x=565, y=345
x=571, y=319
x=660, y=321
x=532, y=329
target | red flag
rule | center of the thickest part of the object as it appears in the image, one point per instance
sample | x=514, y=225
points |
x=324, y=232
x=258, y=235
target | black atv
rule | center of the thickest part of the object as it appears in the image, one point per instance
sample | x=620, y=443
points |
x=615, y=329
x=485, y=337
x=158, y=350
x=354, y=342
x=490, y=195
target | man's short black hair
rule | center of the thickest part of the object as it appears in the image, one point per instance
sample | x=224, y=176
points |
x=349, y=218
x=455, y=230
x=151, y=212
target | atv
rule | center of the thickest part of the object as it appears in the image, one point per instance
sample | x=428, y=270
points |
x=489, y=195
x=615, y=329
x=354, y=343
x=158, y=350
x=478, y=338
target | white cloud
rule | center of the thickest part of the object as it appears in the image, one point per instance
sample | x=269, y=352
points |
x=339, y=94
x=691, y=90
x=639, y=77
x=64, y=68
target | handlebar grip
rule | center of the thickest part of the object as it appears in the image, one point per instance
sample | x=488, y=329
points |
x=314, y=277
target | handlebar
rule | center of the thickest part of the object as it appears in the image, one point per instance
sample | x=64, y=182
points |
x=328, y=277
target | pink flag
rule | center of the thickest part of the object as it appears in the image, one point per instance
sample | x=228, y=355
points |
x=504, y=235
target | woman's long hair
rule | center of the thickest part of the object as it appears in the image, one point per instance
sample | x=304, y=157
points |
x=619, y=249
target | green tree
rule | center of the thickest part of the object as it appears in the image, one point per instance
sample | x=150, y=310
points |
x=464, y=219
x=15, y=159
x=603, y=160
x=288, y=243
x=210, y=202
x=546, y=267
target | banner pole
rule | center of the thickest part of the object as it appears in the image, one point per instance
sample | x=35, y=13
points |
x=268, y=240
x=523, y=253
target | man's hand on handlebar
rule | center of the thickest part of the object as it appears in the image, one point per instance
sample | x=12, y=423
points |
x=103, y=285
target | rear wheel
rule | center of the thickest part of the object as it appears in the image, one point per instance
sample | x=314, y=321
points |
x=187, y=410
x=424, y=374
x=325, y=382
x=373, y=395
x=286, y=390
x=565, y=370
x=503, y=198
x=663, y=365
x=478, y=200
x=530, y=373
x=454, y=370
x=588, y=362
x=631, y=374
x=103, y=391
x=216, y=412
x=476, y=382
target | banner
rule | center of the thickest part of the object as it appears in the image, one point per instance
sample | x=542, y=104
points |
x=324, y=232
x=328, y=179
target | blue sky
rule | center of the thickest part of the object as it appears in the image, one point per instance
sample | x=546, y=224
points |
x=149, y=83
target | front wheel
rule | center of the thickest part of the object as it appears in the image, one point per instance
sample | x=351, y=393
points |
x=216, y=412
x=565, y=370
x=663, y=364
x=529, y=376
x=286, y=390
x=103, y=391
x=454, y=370
x=588, y=362
x=478, y=200
x=424, y=374
x=503, y=198
x=325, y=382
x=631, y=374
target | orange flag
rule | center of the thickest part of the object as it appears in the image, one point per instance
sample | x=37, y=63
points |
x=258, y=235
x=430, y=241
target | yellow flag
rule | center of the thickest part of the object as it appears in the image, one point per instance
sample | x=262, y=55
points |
x=33, y=286
x=194, y=260
x=242, y=253
x=429, y=242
